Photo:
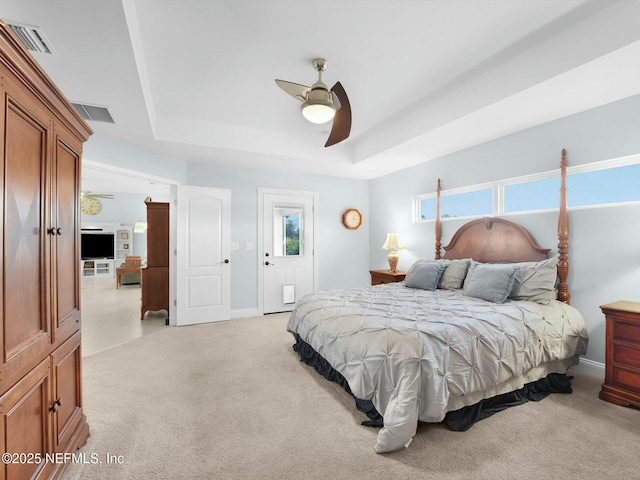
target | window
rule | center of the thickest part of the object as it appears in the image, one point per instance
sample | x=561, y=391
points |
x=533, y=195
x=292, y=236
x=464, y=204
x=602, y=183
x=287, y=230
x=610, y=185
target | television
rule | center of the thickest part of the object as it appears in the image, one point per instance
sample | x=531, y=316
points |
x=96, y=245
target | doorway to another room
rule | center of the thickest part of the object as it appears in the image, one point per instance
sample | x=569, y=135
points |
x=110, y=312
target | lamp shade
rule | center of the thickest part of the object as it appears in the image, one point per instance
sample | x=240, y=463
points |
x=392, y=242
x=318, y=112
x=140, y=227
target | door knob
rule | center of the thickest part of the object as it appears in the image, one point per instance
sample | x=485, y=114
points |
x=226, y=260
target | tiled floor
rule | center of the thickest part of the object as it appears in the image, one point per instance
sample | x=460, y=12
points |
x=111, y=316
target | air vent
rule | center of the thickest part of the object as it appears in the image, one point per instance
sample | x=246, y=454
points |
x=33, y=38
x=93, y=112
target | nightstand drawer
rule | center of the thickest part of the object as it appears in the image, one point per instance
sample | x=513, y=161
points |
x=379, y=277
x=622, y=369
x=627, y=355
x=629, y=332
x=626, y=379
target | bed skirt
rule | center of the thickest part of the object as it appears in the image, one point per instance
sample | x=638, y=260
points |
x=458, y=420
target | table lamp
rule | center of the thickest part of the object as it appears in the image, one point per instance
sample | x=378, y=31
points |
x=392, y=243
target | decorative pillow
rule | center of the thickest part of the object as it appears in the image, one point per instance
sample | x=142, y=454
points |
x=472, y=266
x=491, y=282
x=454, y=274
x=424, y=275
x=536, y=281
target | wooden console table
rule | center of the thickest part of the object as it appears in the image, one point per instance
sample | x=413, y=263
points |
x=125, y=271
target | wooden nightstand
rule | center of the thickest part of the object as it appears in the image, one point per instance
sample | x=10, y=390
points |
x=622, y=375
x=385, y=276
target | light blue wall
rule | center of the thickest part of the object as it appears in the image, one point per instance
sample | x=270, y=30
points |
x=343, y=254
x=604, y=242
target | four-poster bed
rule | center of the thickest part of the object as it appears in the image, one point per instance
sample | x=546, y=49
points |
x=476, y=323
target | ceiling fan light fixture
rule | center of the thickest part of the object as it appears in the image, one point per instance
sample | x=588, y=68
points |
x=318, y=111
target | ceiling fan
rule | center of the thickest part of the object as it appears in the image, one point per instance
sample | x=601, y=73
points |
x=96, y=195
x=321, y=105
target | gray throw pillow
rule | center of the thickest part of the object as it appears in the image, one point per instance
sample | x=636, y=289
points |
x=536, y=281
x=491, y=282
x=424, y=275
x=454, y=274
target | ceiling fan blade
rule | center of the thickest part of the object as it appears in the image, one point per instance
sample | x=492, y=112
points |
x=97, y=195
x=294, y=89
x=342, y=121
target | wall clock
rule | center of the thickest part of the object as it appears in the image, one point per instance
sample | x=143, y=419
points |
x=352, y=218
x=90, y=205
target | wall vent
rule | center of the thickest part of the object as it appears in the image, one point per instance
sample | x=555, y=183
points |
x=93, y=112
x=33, y=38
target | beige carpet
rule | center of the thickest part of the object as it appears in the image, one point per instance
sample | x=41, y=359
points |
x=231, y=400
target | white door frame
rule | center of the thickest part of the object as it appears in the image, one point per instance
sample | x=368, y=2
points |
x=273, y=191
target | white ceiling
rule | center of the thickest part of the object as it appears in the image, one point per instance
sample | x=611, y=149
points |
x=195, y=78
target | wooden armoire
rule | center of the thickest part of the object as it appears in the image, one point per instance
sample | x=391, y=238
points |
x=40, y=367
x=154, y=279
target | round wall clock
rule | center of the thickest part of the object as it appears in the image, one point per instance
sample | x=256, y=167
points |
x=90, y=205
x=352, y=218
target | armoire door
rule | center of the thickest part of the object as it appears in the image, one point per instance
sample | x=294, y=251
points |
x=65, y=243
x=25, y=335
x=66, y=395
x=24, y=420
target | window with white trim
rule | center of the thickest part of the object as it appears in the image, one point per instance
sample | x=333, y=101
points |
x=609, y=182
x=457, y=203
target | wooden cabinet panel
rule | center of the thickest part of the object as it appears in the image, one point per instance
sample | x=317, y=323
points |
x=25, y=418
x=154, y=283
x=25, y=264
x=157, y=234
x=66, y=392
x=66, y=242
x=154, y=280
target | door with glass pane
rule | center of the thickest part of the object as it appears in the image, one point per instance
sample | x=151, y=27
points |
x=287, y=262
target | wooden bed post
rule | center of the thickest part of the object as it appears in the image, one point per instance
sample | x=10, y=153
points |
x=438, y=224
x=563, y=234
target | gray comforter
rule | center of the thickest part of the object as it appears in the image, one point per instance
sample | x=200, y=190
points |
x=418, y=354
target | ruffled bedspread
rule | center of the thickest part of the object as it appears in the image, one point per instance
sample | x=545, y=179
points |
x=418, y=354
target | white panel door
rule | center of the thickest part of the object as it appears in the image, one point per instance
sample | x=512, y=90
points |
x=203, y=252
x=287, y=261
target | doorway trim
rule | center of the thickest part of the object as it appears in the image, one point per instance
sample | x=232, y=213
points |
x=260, y=251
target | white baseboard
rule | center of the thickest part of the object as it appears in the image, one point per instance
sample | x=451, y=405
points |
x=244, y=313
x=590, y=367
